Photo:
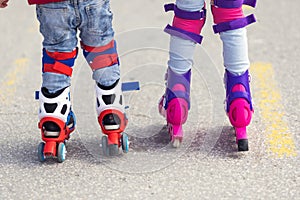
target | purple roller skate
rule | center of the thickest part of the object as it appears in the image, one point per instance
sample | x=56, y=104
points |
x=239, y=106
x=175, y=103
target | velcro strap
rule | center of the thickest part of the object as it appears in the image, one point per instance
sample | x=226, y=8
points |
x=87, y=48
x=62, y=55
x=176, y=94
x=58, y=67
x=183, y=34
x=185, y=14
x=236, y=95
x=233, y=3
x=102, y=61
x=234, y=24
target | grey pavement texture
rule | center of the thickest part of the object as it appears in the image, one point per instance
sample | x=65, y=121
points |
x=207, y=166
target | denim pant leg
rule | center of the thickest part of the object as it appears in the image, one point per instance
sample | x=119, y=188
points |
x=96, y=30
x=181, y=50
x=59, y=35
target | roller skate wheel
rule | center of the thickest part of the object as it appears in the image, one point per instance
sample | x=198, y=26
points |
x=125, y=143
x=243, y=145
x=176, y=142
x=113, y=149
x=41, y=155
x=61, y=152
x=104, y=142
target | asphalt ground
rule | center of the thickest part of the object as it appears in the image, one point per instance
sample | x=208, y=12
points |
x=207, y=166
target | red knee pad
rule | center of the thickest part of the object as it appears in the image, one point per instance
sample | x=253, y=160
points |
x=102, y=56
x=59, y=62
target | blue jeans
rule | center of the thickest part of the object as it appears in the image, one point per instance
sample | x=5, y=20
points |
x=235, y=47
x=59, y=23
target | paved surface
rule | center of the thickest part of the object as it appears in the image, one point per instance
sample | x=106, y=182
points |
x=207, y=165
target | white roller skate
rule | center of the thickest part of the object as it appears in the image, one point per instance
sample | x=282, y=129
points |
x=112, y=118
x=57, y=121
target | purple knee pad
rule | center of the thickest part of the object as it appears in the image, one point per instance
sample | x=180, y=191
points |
x=238, y=99
x=177, y=97
x=228, y=14
x=186, y=25
x=234, y=3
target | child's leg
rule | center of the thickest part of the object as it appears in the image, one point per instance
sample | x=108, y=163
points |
x=230, y=23
x=57, y=120
x=100, y=52
x=185, y=34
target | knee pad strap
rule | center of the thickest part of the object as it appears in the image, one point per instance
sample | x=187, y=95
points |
x=234, y=24
x=101, y=57
x=233, y=3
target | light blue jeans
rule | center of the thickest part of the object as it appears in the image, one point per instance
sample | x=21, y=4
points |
x=59, y=23
x=235, y=46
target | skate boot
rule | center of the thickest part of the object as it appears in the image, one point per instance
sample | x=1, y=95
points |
x=239, y=106
x=175, y=103
x=112, y=118
x=57, y=121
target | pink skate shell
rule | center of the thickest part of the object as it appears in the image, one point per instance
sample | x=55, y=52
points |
x=241, y=133
x=240, y=113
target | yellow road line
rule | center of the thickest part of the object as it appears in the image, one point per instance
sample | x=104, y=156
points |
x=268, y=100
x=9, y=83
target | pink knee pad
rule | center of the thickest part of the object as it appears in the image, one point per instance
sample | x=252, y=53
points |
x=228, y=15
x=193, y=26
x=186, y=25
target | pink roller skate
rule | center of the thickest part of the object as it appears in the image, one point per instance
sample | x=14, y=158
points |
x=239, y=106
x=175, y=103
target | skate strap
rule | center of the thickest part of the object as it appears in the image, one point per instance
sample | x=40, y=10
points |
x=234, y=24
x=176, y=94
x=130, y=86
x=183, y=34
x=175, y=79
x=231, y=81
x=236, y=95
x=233, y=3
x=59, y=62
x=100, y=57
x=196, y=15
